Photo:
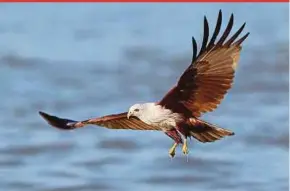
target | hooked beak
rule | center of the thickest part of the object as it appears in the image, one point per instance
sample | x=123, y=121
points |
x=129, y=114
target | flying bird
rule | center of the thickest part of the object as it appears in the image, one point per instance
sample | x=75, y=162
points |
x=200, y=89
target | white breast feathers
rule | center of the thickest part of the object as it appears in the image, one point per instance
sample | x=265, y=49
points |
x=157, y=115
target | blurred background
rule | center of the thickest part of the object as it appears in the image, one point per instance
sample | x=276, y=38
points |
x=87, y=60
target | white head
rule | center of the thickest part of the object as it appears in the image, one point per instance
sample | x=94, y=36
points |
x=136, y=110
x=154, y=114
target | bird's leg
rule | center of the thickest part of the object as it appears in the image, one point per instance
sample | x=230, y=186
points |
x=184, y=134
x=173, y=134
x=172, y=150
x=184, y=147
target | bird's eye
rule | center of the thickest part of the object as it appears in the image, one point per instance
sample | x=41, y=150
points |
x=136, y=110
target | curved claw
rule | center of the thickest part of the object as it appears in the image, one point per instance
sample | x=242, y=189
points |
x=60, y=123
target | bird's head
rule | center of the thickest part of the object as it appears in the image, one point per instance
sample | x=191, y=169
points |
x=135, y=110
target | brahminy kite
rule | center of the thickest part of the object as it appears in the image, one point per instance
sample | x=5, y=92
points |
x=200, y=89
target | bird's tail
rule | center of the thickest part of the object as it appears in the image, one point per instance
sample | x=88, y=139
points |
x=206, y=132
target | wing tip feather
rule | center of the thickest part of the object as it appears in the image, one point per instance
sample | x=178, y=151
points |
x=242, y=39
x=60, y=123
x=205, y=47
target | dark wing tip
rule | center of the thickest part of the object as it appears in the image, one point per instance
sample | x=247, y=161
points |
x=241, y=40
x=216, y=30
x=205, y=36
x=194, y=49
x=227, y=31
x=221, y=42
x=57, y=122
x=233, y=38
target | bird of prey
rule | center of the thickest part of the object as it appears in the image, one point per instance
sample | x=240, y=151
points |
x=200, y=89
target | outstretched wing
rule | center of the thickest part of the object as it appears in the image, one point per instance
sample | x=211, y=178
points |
x=204, y=83
x=116, y=121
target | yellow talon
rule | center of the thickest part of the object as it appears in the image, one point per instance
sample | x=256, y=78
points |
x=172, y=150
x=185, y=148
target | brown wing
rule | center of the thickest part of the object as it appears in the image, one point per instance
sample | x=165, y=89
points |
x=120, y=121
x=117, y=121
x=204, y=83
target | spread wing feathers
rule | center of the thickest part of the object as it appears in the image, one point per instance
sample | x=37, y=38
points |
x=205, y=82
x=116, y=121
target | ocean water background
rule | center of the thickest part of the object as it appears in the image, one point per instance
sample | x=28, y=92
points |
x=86, y=60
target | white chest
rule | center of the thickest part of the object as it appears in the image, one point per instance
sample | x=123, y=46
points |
x=160, y=117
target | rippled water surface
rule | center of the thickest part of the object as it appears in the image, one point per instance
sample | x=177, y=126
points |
x=86, y=60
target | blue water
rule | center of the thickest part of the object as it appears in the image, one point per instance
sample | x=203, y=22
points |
x=87, y=60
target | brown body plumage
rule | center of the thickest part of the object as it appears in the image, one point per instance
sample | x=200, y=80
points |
x=200, y=89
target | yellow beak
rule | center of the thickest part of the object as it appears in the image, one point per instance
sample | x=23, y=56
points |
x=129, y=115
